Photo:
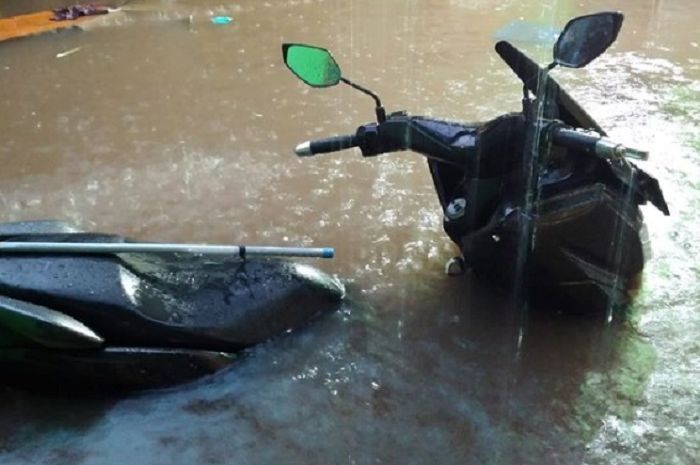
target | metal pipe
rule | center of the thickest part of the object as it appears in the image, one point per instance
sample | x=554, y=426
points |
x=145, y=247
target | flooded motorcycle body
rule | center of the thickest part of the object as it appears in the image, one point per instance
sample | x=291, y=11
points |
x=539, y=202
x=131, y=321
x=588, y=248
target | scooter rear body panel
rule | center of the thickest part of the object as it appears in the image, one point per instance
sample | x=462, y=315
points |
x=152, y=307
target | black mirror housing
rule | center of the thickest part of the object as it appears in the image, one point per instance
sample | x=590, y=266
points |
x=586, y=37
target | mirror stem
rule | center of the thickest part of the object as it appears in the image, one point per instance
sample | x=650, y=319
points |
x=379, y=109
x=526, y=103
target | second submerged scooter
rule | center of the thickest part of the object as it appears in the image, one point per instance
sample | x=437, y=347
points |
x=541, y=201
x=88, y=311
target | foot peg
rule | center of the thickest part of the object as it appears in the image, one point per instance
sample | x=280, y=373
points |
x=455, y=266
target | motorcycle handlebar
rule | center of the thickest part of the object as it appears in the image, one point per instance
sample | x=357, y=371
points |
x=327, y=145
x=593, y=143
x=444, y=141
x=449, y=142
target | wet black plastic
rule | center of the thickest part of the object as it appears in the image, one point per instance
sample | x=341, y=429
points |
x=159, y=302
x=444, y=141
x=585, y=38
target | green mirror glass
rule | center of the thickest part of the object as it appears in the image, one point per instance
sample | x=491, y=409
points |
x=585, y=38
x=313, y=65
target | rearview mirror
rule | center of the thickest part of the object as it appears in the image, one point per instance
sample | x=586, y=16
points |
x=585, y=38
x=313, y=65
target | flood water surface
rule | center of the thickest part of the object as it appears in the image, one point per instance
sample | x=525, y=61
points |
x=163, y=126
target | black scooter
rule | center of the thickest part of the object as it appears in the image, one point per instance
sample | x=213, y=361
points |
x=89, y=311
x=541, y=201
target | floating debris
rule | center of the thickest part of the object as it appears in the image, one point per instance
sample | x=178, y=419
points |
x=68, y=52
x=40, y=22
x=221, y=19
x=72, y=12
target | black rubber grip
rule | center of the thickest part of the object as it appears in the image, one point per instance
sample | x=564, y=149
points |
x=576, y=140
x=333, y=144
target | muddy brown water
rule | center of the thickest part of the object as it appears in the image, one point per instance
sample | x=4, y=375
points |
x=163, y=126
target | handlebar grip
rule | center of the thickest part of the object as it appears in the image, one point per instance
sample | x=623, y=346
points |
x=576, y=140
x=330, y=144
x=595, y=144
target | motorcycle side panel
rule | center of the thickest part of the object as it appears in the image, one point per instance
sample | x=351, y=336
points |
x=46, y=327
x=175, y=300
x=587, y=253
x=111, y=369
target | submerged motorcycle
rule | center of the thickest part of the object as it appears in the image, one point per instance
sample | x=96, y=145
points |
x=87, y=311
x=540, y=201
